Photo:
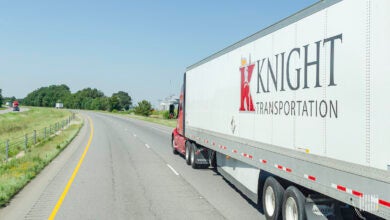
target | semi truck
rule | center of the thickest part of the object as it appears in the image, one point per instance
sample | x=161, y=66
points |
x=15, y=106
x=295, y=116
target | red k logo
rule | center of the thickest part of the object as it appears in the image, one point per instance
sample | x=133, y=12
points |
x=246, y=71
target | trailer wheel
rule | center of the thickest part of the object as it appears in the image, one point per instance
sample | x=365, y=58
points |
x=193, y=156
x=187, y=153
x=293, y=204
x=272, y=199
x=173, y=146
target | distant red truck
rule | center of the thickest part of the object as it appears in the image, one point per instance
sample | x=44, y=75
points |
x=15, y=106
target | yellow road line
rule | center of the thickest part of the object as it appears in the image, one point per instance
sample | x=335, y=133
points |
x=69, y=184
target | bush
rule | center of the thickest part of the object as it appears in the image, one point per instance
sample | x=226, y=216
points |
x=144, y=108
x=166, y=115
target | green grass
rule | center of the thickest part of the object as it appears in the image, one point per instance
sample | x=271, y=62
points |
x=2, y=108
x=16, y=124
x=154, y=118
x=15, y=174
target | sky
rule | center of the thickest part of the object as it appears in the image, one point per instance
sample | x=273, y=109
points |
x=140, y=47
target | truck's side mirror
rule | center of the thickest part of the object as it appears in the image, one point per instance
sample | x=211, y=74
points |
x=171, y=111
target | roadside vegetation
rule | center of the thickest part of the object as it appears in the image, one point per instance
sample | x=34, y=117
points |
x=1, y=98
x=16, y=124
x=17, y=172
x=158, y=117
x=88, y=98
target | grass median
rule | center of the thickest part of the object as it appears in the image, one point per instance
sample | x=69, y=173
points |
x=154, y=118
x=167, y=122
x=15, y=124
x=17, y=172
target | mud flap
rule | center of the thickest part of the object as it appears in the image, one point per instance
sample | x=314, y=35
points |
x=201, y=155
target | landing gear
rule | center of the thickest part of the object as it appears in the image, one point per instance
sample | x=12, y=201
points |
x=213, y=160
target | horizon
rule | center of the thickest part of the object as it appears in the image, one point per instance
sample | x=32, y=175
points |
x=141, y=48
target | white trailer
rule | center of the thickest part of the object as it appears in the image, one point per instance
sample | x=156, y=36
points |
x=59, y=105
x=300, y=109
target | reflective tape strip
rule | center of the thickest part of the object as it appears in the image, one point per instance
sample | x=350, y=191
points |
x=263, y=161
x=384, y=203
x=309, y=177
x=247, y=155
x=356, y=193
x=235, y=151
x=347, y=190
x=222, y=147
x=280, y=167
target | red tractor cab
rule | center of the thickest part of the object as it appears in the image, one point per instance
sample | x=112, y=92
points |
x=15, y=106
x=178, y=138
x=195, y=154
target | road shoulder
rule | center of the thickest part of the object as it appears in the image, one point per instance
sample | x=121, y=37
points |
x=35, y=194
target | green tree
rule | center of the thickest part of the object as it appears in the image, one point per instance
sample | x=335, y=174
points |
x=9, y=99
x=84, y=99
x=47, y=96
x=1, y=98
x=144, y=108
x=114, y=104
x=124, y=100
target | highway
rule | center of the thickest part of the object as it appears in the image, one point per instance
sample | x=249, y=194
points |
x=9, y=109
x=128, y=172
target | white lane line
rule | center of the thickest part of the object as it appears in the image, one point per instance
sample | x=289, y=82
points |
x=147, y=146
x=173, y=170
x=160, y=130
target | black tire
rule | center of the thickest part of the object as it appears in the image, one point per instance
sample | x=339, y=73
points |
x=213, y=159
x=193, y=156
x=174, y=151
x=293, y=194
x=188, y=153
x=272, y=188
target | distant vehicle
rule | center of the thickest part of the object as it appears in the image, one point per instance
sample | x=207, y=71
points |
x=15, y=106
x=9, y=104
x=294, y=116
x=59, y=105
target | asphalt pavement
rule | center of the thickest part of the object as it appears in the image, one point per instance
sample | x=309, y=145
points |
x=128, y=172
x=9, y=109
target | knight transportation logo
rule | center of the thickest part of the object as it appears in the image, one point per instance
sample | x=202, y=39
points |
x=246, y=71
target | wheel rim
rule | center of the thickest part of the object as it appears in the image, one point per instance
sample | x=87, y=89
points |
x=173, y=144
x=291, y=209
x=192, y=156
x=270, y=201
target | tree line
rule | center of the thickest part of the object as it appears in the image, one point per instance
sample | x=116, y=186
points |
x=88, y=98
x=3, y=99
